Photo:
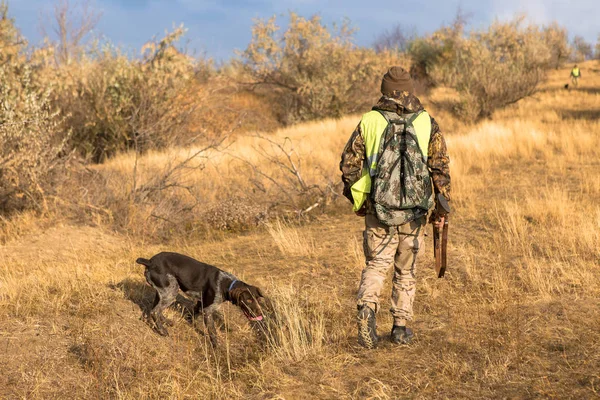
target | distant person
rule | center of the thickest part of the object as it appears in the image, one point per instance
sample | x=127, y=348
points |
x=575, y=75
x=393, y=163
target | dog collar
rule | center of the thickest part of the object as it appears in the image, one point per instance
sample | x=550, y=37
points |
x=232, y=283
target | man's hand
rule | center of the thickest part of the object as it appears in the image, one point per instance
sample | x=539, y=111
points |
x=363, y=210
x=436, y=220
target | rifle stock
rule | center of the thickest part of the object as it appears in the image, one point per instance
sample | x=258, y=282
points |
x=440, y=237
x=437, y=252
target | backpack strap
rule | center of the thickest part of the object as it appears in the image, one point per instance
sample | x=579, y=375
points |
x=414, y=117
x=406, y=122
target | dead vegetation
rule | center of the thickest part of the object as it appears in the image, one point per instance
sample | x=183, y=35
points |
x=514, y=318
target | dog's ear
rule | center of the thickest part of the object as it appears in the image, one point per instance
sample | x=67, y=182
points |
x=234, y=295
x=260, y=294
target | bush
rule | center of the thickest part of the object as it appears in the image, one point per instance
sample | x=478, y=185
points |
x=557, y=39
x=312, y=72
x=31, y=138
x=582, y=50
x=491, y=68
x=31, y=141
x=437, y=52
x=114, y=103
x=498, y=67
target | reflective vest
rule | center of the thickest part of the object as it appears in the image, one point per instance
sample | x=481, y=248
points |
x=373, y=126
x=575, y=72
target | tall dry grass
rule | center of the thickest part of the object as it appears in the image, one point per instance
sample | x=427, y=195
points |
x=516, y=316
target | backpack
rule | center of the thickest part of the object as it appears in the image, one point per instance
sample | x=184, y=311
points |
x=402, y=190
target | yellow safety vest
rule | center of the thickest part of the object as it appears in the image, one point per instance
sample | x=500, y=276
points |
x=575, y=72
x=373, y=126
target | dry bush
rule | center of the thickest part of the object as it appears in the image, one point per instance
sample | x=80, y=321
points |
x=582, y=49
x=311, y=71
x=32, y=141
x=72, y=24
x=234, y=214
x=489, y=68
x=557, y=39
x=11, y=40
x=277, y=172
x=498, y=67
x=232, y=186
x=398, y=39
x=113, y=103
x=157, y=201
x=437, y=52
x=202, y=189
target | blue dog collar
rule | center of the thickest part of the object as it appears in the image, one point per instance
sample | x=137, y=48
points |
x=232, y=283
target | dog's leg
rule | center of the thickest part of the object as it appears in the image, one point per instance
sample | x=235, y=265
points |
x=146, y=312
x=166, y=296
x=219, y=320
x=209, y=323
x=164, y=319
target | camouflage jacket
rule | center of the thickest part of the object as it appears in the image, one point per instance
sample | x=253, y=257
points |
x=353, y=156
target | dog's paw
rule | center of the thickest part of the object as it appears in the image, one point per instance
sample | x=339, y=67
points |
x=162, y=331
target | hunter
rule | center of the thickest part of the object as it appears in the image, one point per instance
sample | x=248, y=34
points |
x=575, y=75
x=394, y=162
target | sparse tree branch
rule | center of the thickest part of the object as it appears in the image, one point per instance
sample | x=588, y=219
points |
x=72, y=23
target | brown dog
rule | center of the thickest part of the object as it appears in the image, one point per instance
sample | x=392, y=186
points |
x=205, y=284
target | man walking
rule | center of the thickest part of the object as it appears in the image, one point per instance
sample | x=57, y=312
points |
x=394, y=162
x=575, y=75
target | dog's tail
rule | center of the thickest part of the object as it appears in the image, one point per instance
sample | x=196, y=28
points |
x=144, y=261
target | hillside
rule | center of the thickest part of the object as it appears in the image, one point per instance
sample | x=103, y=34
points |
x=515, y=317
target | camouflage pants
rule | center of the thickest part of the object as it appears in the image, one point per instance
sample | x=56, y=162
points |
x=384, y=246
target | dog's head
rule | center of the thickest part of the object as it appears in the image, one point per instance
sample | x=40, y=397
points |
x=250, y=299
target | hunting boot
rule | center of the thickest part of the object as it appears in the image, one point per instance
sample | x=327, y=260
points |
x=367, y=327
x=402, y=335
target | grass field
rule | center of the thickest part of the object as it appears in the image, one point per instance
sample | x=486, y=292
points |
x=515, y=317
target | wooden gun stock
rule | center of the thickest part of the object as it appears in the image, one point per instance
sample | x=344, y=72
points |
x=437, y=251
x=440, y=247
x=440, y=237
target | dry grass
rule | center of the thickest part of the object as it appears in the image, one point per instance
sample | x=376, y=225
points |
x=290, y=240
x=516, y=316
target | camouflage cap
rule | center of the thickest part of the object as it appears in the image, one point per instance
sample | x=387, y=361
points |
x=396, y=79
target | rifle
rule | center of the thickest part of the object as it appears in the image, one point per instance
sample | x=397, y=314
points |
x=440, y=236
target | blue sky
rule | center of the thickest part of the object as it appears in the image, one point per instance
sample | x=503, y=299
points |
x=216, y=28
